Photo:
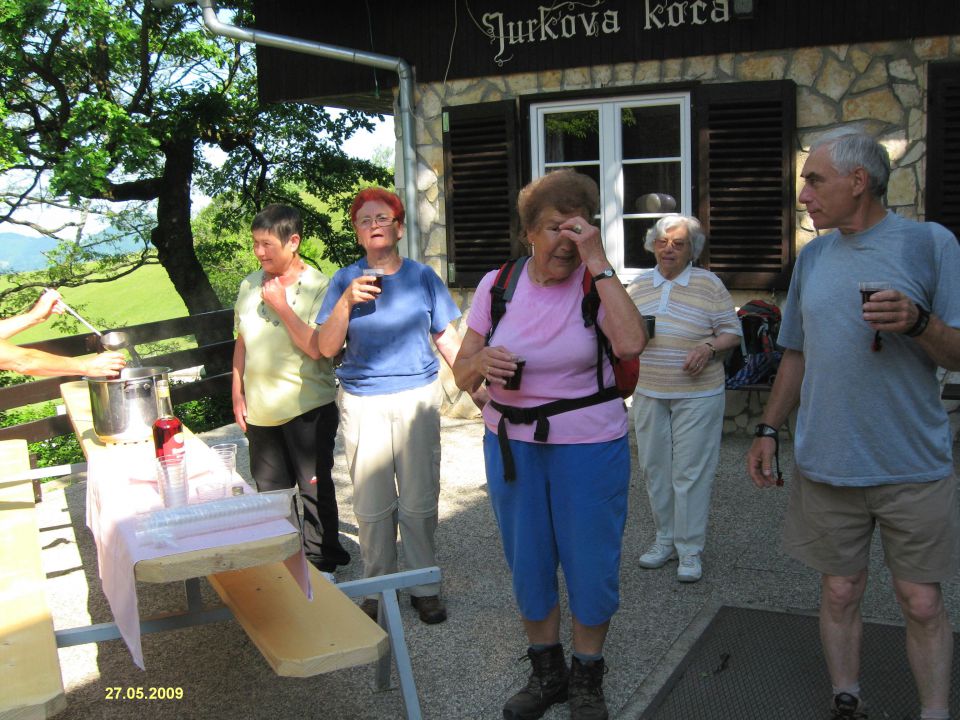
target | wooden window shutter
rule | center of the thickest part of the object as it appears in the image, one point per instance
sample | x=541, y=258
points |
x=943, y=146
x=481, y=181
x=746, y=170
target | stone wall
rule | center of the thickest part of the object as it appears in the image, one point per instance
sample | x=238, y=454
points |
x=882, y=86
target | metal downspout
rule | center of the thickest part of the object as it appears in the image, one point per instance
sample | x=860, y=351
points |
x=358, y=57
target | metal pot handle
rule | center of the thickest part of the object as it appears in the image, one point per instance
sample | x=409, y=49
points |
x=132, y=386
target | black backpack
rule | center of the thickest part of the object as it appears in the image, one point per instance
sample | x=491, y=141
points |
x=756, y=361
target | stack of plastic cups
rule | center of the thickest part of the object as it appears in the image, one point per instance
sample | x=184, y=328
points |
x=172, y=480
x=226, y=466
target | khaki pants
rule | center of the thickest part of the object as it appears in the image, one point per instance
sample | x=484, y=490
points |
x=392, y=447
x=678, y=444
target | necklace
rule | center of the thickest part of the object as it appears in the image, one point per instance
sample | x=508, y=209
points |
x=269, y=316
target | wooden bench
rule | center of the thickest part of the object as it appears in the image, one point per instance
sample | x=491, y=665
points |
x=299, y=637
x=30, y=682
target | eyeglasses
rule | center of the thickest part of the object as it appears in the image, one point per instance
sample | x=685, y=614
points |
x=380, y=221
x=661, y=243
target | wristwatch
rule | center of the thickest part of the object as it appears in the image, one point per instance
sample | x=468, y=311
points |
x=608, y=273
x=764, y=430
x=923, y=317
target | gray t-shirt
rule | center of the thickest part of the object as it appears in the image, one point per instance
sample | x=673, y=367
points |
x=870, y=418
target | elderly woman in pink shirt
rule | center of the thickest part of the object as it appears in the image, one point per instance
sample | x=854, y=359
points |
x=556, y=452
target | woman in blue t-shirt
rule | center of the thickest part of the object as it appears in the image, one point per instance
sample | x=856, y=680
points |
x=390, y=393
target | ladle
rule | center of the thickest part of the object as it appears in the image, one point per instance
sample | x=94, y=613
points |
x=114, y=340
x=77, y=316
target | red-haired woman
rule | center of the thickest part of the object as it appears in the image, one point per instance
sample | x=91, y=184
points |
x=390, y=393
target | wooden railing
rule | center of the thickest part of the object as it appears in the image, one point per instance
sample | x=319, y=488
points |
x=212, y=334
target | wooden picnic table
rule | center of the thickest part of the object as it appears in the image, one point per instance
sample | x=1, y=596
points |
x=298, y=636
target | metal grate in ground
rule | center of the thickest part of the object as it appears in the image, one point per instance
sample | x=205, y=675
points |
x=760, y=664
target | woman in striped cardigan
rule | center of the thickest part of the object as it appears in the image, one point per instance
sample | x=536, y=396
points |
x=678, y=404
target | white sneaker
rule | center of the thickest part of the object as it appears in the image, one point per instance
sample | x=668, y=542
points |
x=689, y=570
x=329, y=577
x=656, y=556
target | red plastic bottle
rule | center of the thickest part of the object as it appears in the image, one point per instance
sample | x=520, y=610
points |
x=167, y=430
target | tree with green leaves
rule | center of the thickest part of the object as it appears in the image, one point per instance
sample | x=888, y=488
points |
x=109, y=106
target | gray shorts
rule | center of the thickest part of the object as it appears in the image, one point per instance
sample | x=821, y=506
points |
x=829, y=528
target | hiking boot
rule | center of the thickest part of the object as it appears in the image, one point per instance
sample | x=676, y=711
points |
x=430, y=608
x=846, y=705
x=657, y=556
x=586, y=690
x=690, y=569
x=547, y=685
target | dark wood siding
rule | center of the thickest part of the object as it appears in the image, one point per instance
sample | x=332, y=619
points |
x=443, y=39
x=943, y=146
x=481, y=185
x=744, y=138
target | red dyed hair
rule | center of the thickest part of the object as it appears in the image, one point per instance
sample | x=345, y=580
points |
x=377, y=194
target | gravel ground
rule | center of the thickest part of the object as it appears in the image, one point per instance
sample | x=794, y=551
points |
x=464, y=668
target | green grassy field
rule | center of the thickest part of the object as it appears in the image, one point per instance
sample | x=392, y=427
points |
x=143, y=296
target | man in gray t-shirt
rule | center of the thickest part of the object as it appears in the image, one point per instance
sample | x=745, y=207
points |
x=873, y=440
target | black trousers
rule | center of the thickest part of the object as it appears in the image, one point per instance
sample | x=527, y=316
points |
x=300, y=453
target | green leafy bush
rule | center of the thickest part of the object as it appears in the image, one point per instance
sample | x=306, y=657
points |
x=205, y=414
x=60, y=450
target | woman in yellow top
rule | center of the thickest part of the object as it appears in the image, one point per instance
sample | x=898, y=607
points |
x=283, y=389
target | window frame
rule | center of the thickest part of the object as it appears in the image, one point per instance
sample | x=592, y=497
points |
x=610, y=157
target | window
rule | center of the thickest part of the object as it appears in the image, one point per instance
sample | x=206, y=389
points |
x=725, y=152
x=638, y=152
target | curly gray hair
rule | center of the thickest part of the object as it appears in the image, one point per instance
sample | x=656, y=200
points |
x=668, y=222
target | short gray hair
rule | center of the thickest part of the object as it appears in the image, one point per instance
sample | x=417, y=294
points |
x=668, y=222
x=850, y=148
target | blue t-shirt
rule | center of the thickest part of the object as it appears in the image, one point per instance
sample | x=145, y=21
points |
x=870, y=418
x=388, y=340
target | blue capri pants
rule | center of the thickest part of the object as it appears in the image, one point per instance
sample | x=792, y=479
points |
x=567, y=508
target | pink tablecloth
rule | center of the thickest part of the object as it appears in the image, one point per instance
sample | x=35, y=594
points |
x=120, y=485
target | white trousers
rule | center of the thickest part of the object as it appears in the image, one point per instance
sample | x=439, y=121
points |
x=392, y=448
x=678, y=444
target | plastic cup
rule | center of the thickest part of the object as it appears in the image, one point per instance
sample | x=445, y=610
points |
x=225, y=462
x=210, y=490
x=869, y=287
x=172, y=480
x=513, y=383
x=377, y=274
x=651, y=322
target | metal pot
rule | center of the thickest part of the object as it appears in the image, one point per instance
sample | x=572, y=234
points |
x=125, y=408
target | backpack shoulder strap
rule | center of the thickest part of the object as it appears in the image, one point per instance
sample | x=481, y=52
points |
x=502, y=290
x=590, y=309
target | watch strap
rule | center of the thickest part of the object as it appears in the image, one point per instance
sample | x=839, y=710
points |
x=608, y=273
x=764, y=430
x=923, y=318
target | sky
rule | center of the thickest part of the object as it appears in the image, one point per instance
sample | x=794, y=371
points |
x=362, y=145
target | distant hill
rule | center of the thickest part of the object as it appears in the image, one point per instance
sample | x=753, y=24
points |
x=21, y=253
